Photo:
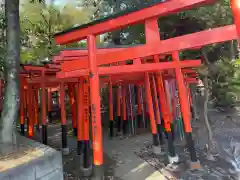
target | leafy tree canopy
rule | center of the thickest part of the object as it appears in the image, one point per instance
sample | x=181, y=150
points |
x=38, y=24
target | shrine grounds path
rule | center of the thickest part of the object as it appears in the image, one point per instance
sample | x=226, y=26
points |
x=131, y=158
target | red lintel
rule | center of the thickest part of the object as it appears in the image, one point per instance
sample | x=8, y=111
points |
x=137, y=77
x=84, y=52
x=162, y=9
x=55, y=66
x=48, y=85
x=211, y=36
x=146, y=67
x=39, y=68
x=135, y=68
x=52, y=80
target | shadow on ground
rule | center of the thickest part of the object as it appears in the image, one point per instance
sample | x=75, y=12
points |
x=210, y=170
x=136, y=152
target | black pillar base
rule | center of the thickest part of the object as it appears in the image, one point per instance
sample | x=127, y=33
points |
x=44, y=134
x=86, y=154
x=173, y=131
x=171, y=148
x=58, y=113
x=139, y=121
x=50, y=116
x=165, y=134
x=79, y=147
x=125, y=127
x=191, y=148
x=119, y=124
x=147, y=120
x=75, y=131
x=26, y=120
x=191, y=110
x=22, y=129
x=98, y=172
x=160, y=134
x=64, y=136
x=37, y=127
x=155, y=140
x=111, y=128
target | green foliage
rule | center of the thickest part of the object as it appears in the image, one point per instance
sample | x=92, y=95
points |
x=213, y=15
x=38, y=25
x=2, y=39
x=225, y=82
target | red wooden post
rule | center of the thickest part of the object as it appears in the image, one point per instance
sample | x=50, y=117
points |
x=155, y=101
x=80, y=116
x=36, y=120
x=152, y=38
x=87, y=166
x=30, y=112
x=166, y=115
x=173, y=105
x=59, y=102
x=22, y=118
x=124, y=110
x=110, y=109
x=151, y=115
x=71, y=91
x=43, y=108
x=49, y=104
x=185, y=109
x=158, y=116
x=95, y=108
x=152, y=26
x=139, y=110
x=65, y=148
x=25, y=103
x=119, y=110
x=75, y=89
x=49, y=98
x=235, y=4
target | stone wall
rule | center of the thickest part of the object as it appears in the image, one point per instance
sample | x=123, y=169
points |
x=30, y=160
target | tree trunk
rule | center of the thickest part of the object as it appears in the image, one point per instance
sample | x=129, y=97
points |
x=232, y=50
x=210, y=145
x=194, y=103
x=238, y=50
x=11, y=70
x=206, y=98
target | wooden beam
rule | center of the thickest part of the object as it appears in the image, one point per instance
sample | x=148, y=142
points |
x=161, y=9
x=135, y=68
x=202, y=38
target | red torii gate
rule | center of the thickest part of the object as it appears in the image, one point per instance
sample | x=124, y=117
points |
x=38, y=72
x=153, y=67
x=44, y=77
x=119, y=79
x=189, y=41
x=154, y=46
x=78, y=52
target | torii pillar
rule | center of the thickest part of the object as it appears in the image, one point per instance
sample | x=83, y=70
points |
x=235, y=4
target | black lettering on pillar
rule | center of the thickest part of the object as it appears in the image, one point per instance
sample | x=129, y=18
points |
x=94, y=121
